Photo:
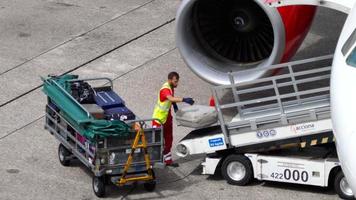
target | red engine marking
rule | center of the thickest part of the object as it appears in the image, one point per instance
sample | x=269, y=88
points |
x=297, y=21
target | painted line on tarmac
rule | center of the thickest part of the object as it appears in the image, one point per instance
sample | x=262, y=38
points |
x=116, y=78
x=142, y=65
x=22, y=127
x=91, y=60
x=75, y=37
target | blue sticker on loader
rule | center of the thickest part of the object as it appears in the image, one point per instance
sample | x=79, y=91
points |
x=216, y=142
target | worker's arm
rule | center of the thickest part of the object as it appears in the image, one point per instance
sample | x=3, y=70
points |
x=174, y=99
x=179, y=99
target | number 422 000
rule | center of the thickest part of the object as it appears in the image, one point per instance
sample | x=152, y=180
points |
x=293, y=175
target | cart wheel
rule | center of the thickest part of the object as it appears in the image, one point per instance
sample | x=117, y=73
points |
x=63, y=155
x=150, y=186
x=341, y=186
x=99, y=186
x=237, y=170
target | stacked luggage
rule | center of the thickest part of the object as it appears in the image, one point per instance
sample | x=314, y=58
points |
x=101, y=102
x=113, y=106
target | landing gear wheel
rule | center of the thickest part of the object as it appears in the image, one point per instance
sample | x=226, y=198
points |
x=63, y=155
x=237, y=170
x=341, y=187
x=99, y=186
x=150, y=186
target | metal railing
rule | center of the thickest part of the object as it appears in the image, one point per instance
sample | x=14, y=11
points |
x=300, y=90
x=58, y=126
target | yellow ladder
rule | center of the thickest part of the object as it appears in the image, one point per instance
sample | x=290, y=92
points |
x=140, y=137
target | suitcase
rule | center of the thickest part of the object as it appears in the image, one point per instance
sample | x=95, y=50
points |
x=196, y=116
x=82, y=92
x=96, y=111
x=108, y=99
x=80, y=138
x=119, y=113
x=53, y=106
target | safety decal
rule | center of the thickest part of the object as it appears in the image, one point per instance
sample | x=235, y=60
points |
x=266, y=133
x=216, y=142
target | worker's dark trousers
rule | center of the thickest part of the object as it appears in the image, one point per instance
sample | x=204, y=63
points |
x=168, y=139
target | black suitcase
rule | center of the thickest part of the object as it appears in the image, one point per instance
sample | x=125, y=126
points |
x=83, y=92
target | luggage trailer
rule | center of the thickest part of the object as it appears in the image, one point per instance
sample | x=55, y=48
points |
x=291, y=109
x=119, y=160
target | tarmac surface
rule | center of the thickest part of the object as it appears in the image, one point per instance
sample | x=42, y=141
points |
x=132, y=42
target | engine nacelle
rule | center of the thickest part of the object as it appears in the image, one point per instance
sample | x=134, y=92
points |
x=216, y=37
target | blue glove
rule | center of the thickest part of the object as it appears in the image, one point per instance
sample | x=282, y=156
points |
x=175, y=107
x=188, y=100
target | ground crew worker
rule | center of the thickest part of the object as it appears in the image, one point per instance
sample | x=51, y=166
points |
x=162, y=111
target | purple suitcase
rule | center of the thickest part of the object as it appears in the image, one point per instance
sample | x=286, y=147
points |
x=108, y=99
x=119, y=113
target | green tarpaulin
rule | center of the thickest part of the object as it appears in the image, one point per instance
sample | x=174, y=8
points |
x=56, y=88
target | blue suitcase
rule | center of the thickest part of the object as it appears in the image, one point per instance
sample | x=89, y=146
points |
x=119, y=113
x=108, y=99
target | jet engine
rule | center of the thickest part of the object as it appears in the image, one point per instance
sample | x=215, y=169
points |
x=216, y=37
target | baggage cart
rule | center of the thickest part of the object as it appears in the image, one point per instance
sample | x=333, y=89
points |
x=116, y=159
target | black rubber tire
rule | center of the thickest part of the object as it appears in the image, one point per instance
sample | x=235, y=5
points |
x=99, y=186
x=247, y=178
x=338, y=178
x=63, y=155
x=150, y=186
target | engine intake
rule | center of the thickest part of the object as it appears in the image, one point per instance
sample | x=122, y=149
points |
x=219, y=36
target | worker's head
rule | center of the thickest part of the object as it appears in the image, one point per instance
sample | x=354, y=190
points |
x=173, y=79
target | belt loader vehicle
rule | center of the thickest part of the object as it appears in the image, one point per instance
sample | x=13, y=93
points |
x=261, y=123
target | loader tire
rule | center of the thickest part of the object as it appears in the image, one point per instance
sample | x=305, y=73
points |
x=237, y=170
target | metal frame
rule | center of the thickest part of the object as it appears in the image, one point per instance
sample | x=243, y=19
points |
x=64, y=136
x=95, y=79
x=282, y=116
